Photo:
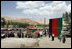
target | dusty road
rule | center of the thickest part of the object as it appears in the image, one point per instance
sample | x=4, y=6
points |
x=43, y=42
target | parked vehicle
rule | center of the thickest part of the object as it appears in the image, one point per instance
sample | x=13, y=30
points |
x=67, y=32
x=3, y=35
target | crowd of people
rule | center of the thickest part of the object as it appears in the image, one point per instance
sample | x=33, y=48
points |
x=21, y=34
x=37, y=34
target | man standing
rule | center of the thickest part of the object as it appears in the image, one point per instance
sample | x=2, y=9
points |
x=45, y=32
x=52, y=37
x=41, y=33
x=63, y=36
x=64, y=39
x=49, y=34
x=20, y=34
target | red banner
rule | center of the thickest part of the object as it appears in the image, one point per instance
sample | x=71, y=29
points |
x=54, y=27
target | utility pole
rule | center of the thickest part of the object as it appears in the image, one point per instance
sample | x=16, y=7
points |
x=7, y=23
x=44, y=22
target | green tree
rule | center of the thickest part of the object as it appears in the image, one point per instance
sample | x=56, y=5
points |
x=67, y=19
x=23, y=25
x=3, y=22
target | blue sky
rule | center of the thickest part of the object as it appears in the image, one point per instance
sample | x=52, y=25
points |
x=34, y=10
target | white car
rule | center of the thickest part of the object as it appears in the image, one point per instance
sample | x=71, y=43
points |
x=3, y=35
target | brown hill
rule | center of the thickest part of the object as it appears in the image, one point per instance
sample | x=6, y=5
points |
x=22, y=20
x=27, y=20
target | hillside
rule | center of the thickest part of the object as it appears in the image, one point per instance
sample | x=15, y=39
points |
x=22, y=20
x=27, y=20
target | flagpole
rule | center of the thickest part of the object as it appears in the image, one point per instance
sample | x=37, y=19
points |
x=44, y=22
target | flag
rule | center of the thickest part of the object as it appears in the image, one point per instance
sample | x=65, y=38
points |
x=50, y=27
x=55, y=26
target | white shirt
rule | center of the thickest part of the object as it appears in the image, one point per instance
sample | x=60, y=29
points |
x=41, y=33
x=63, y=32
x=46, y=30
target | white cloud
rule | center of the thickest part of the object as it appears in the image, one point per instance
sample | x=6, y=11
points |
x=69, y=8
x=40, y=8
x=56, y=2
x=30, y=4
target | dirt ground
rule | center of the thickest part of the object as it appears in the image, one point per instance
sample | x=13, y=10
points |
x=43, y=42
